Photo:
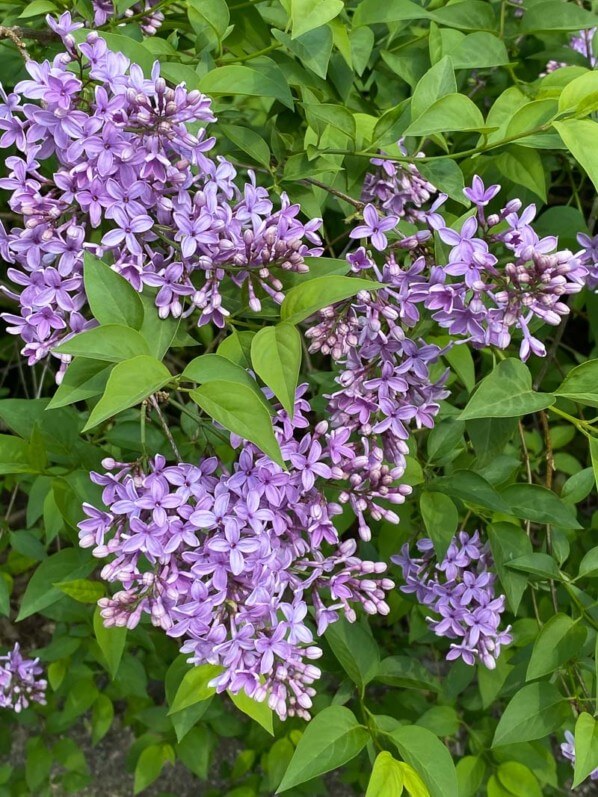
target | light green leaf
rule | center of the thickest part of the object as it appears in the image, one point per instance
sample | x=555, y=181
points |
x=82, y=590
x=112, y=299
x=111, y=343
x=112, y=641
x=446, y=176
x=581, y=383
x=441, y=519
x=309, y=14
x=559, y=640
x=216, y=368
x=523, y=166
x=332, y=738
x=580, y=95
x=466, y=15
x=150, y=764
x=422, y=750
x=237, y=79
x=276, y=358
x=437, y=82
x=37, y=8
x=386, y=779
x=580, y=137
x=534, y=712
x=406, y=673
x=130, y=382
x=370, y=12
x=586, y=747
x=306, y=299
x=194, y=687
x=519, y=780
x=259, y=712
x=451, y=112
x=83, y=379
x=238, y=409
x=505, y=393
x=556, y=15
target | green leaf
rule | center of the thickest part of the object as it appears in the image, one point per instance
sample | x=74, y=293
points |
x=309, y=14
x=195, y=750
x=479, y=50
x=471, y=488
x=320, y=116
x=130, y=382
x=83, y=379
x=216, y=368
x=332, y=738
x=518, y=779
x=111, y=640
x=150, y=764
x=523, y=166
x=209, y=16
x=112, y=299
x=406, y=673
x=586, y=747
x=111, y=343
x=356, y=651
x=386, y=779
x=559, y=640
x=159, y=333
x=540, y=565
x=466, y=15
x=581, y=384
x=37, y=8
x=194, y=687
x=249, y=141
x=470, y=775
x=452, y=112
x=370, y=12
x=446, y=175
x=180, y=73
x=14, y=455
x=259, y=712
x=556, y=15
x=102, y=715
x=534, y=712
x=580, y=137
x=593, y=443
x=238, y=409
x=422, y=750
x=440, y=720
x=441, y=519
x=237, y=79
x=237, y=348
x=313, y=49
x=82, y=590
x=580, y=95
x=506, y=393
x=68, y=564
x=306, y=299
x=508, y=542
x=536, y=503
x=276, y=358
x=437, y=82
x=4, y=597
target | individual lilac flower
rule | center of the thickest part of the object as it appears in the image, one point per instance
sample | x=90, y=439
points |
x=374, y=227
x=479, y=194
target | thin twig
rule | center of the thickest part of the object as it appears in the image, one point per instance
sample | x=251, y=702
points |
x=164, y=425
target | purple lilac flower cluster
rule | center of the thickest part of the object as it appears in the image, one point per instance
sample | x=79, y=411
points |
x=461, y=590
x=231, y=562
x=589, y=258
x=568, y=751
x=128, y=164
x=499, y=276
x=20, y=684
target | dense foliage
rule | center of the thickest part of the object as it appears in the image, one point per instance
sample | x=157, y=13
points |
x=298, y=453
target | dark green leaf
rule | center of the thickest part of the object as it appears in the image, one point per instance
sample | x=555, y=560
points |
x=559, y=640
x=534, y=712
x=356, y=651
x=429, y=757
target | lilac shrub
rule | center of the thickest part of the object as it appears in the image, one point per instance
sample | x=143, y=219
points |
x=170, y=216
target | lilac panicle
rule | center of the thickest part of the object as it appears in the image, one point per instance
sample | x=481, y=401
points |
x=235, y=563
x=20, y=683
x=460, y=591
x=133, y=160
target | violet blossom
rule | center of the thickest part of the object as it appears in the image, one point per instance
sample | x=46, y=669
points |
x=20, y=683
